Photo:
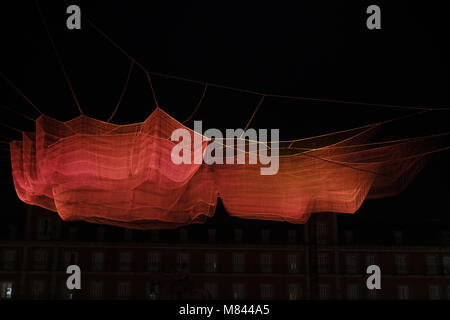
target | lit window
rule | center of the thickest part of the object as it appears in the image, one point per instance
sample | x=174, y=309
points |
x=211, y=262
x=293, y=291
x=152, y=291
x=238, y=291
x=238, y=262
x=292, y=263
x=6, y=289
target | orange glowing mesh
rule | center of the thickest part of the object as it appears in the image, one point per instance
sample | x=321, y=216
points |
x=123, y=175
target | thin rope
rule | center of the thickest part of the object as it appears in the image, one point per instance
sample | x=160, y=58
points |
x=253, y=115
x=198, y=104
x=57, y=56
x=123, y=92
x=20, y=92
x=153, y=91
x=16, y=112
x=11, y=128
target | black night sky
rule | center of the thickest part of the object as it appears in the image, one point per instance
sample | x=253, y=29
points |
x=319, y=49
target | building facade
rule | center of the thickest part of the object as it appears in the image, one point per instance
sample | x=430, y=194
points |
x=244, y=260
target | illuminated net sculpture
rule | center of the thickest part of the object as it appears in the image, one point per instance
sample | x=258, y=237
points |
x=123, y=175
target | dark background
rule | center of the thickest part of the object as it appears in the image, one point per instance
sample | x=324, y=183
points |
x=319, y=49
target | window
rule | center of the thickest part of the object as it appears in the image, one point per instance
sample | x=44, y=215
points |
x=322, y=232
x=238, y=291
x=182, y=261
x=37, y=289
x=152, y=291
x=292, y=263
x=6, y=289
x=432, y=264
x=128, y=234
x=212, y=235
x=40, y=259
x=100, y=233
x=434, y=292
x=238, y=235
x=211, y=262
x=153, y=261
x=292, y=236
x=238, y=262
x=266, y=291
x=125, y=261
x=371, y=259
x=73, y=233
x=351, y=263
x=98, y=260
x=123, y=290
x=155, y=235
x=212, y=289
x=348, y=237
x=446, y=264
x=265, y=235
x=372, y=294
x=43, y=232
x=323, y=262
x=9, y=259
x=96, y=289
x=398, y=237
x=184, y=234
x=324, y=291
x=293, y=291
x=353, y=291
x=266, y=262
x=65, y=293
x=403, y=292
x=401, y=263
x=70, y=257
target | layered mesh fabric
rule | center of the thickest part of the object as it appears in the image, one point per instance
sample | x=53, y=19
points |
x=123, y=175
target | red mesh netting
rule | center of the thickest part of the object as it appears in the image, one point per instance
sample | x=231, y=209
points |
x=123, y=175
